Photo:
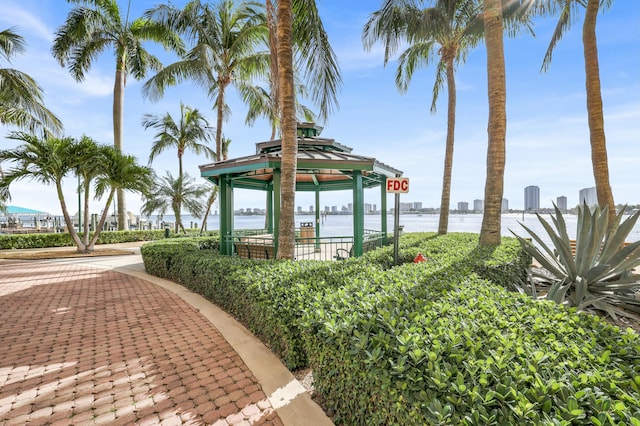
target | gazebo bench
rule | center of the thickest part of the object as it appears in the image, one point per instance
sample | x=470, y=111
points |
x=367, y=245
x=255, y=250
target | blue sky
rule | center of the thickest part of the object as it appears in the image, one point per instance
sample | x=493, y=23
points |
x=547, y=132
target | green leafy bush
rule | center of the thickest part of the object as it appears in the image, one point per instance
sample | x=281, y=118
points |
x=427, y=343
x=458, y=350
x=44, y=240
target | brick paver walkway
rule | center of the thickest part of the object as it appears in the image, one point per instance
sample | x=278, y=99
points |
x=82, y=345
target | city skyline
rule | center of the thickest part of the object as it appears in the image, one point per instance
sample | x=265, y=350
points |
x=547, y=131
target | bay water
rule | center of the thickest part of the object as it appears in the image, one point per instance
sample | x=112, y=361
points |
x=342, y=225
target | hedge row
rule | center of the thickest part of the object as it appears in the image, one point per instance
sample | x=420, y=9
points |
x=470, y=353
x=429, y=343
x=61, y=239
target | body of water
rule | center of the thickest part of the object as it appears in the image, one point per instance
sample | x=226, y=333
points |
x=340, y=225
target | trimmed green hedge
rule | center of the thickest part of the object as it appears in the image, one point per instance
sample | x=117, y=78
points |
x=440, y=342
x=61, y=239
x=468, y=352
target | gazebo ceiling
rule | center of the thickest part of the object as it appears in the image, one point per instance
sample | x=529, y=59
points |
x=323, y=165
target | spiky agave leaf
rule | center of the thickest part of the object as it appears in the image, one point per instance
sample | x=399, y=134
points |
x=600, y=276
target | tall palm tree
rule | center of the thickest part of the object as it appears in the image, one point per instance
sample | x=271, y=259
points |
x=286, y=235
x=490, y=231
x=171, y=193
x=21, y=102
x=186, y=134
x=498, y=16
x=314, y=60
x=49, y=160
x=301, y=44
x=443, y=34
x=98, y=25
x=569, y=9
x=225, y=38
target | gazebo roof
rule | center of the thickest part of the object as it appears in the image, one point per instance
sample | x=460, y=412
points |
x=323, y=164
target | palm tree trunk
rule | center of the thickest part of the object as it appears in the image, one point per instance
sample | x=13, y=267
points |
x=448, y=156
x=286, y=238
x=273, y=65
x=81, y=248
x=210, y=201
x=118, y=118
x=103, y=219
x=594, y=110
x=497, y=126
x=221, y=88
x=86, y=214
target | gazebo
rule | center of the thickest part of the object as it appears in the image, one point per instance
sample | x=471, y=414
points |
x=322, y=165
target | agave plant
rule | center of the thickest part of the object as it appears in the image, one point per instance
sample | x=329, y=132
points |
x=600, y=274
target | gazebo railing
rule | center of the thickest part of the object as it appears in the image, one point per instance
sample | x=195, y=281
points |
x=258, y=244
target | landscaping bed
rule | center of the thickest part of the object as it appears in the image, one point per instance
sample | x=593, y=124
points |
x=439, y=342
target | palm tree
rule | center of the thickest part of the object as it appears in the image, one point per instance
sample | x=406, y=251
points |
x=119, y=173
x=445, y=31
x=497, y=126
x=301, y=43
x=262, y=104
x=88, y=156
x=226, y=37
x=98, y=25
x=184, y=135
x=21, y=101
x=286, y=234
x=48, y=161
x=568, y=10
x=173, y=193
x=313, y=58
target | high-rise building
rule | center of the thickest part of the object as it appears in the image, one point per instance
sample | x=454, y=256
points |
x=589, y=196
x=561, y=203
x=505, y=205
x=463, y=206
x=531, y=198
x=478, y=205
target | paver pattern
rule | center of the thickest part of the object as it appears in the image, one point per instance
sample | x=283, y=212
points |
x=82, y=345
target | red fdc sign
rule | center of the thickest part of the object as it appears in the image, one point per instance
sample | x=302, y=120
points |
x=397, y=185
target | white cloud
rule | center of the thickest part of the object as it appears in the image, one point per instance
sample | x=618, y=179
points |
x=14, y=16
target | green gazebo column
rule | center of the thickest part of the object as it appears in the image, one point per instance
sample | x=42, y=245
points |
x=383, y=207
x=226, y=216
x=317, y=212
x=276, y=207
x=270, y=209
x=358, y=213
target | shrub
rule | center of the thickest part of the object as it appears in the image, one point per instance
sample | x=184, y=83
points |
x=44, y=240
x=599, y=275
x=428, y=343
x=468, y=353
